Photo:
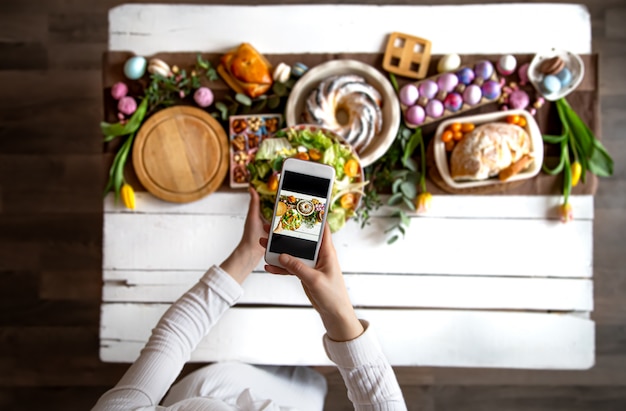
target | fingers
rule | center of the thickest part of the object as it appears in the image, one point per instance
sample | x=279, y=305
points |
x=263, y=242
x=276, y=270
x=296, y=267
x=327, y=248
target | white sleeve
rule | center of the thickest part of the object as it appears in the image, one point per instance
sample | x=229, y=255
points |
x=176, y=335
x=371, y=382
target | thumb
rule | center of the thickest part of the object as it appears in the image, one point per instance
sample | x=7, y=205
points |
x=296, y=267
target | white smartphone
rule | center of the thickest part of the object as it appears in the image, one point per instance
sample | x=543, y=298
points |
x=302, y=202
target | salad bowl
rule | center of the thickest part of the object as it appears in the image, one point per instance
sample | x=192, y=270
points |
x=312, y=143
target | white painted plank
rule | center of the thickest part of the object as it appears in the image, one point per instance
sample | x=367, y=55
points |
x=148, y=29
x=500, y=247
x=370, y=290
x=453, y=206
x=408, y=337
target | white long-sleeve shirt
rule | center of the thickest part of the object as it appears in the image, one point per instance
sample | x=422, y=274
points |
x=368, y=376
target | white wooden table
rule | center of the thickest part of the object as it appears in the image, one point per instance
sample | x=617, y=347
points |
x=479, y=281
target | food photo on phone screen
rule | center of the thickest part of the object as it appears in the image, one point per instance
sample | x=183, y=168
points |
x=300, y=211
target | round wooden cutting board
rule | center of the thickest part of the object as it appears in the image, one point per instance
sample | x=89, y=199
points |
x=181, y=154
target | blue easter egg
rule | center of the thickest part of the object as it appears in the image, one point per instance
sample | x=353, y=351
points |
x=466, y=75
x=551, y=83
x=135, y=67
x=483, y=69
x=491, y=89
x=565, y=77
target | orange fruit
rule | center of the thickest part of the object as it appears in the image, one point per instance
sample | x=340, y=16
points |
x=522, y=122
x=447, y=136
x=455, y=126
x=512, y=119
x=450, y=145
x=467, y=127
x=458, y=135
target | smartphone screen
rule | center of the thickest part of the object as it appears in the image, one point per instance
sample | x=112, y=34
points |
x=297, y=226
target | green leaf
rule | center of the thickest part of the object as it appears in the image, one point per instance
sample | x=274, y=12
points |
x=204, y=64
x=273, y=102
x=409, y=163
x=409, y=204
x=112, y=131
x=404, y=219
x=396, y=186
x=554, y=139
x=243, y=99
x=414, y=141
x=600, y=162
x=567, y=178
x=394, y=199
x=392, y=240
x=280, y=89
x=408, y=189
x=559, y=167
x=394, y=82
x=402, y=230
x=581, y=132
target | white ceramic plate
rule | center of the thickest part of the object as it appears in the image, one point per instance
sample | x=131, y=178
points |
x=572, y=61
x=536, y=149
x=390, y=107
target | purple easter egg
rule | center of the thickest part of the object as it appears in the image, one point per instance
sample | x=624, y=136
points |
x=434, y=108
x=466, y=75
x=415, y=115
x=519, y=99
x=447, y=82
x=491, y=89
x=483, y=69
x=408, y=94
x=453, y=102
x=428, y=89
x=472, y=94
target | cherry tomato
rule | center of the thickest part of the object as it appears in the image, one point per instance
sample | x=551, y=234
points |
x=347, y=201
x=351, y=168
x=303, y=156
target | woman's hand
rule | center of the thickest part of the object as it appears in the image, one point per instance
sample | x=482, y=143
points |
x=325, y=287
x=246, y=256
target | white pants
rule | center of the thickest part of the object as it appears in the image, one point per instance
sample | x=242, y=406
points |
x=287, y=386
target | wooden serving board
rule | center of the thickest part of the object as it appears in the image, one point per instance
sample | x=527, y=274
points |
x=181, y=154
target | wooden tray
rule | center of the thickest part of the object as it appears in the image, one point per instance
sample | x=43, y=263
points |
x=180, y=154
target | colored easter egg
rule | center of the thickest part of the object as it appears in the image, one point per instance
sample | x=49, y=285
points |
x=483, y=69
x=449, y=62
x=507, y=64
x=135, y=67
x=565, y=77
x=409, y=94
x=551, y=83
x=434, y=108
x=203, y=96
x=415, y=115
x=472, y=94
x=447, y=82
x=428, y=89
x=519, y=99
x=466, y=75
x=522, y=72
x=491, y=89
x=453, y=102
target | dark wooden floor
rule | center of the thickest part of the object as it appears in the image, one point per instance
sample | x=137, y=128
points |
x=51, y=229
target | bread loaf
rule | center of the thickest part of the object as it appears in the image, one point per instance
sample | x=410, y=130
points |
x=487, y=150
x=246, y=71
